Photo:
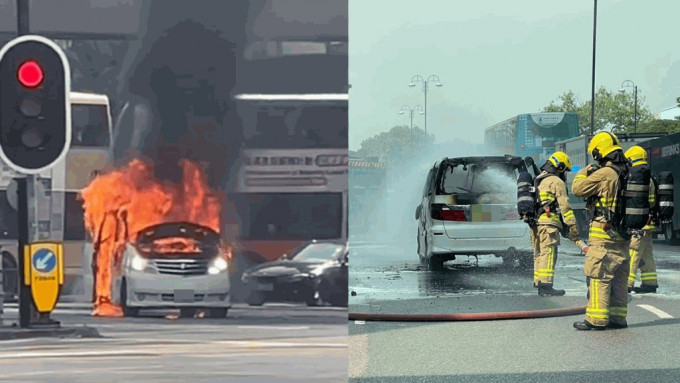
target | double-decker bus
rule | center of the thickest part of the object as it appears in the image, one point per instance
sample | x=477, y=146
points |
x=531, y=134
x=60, y=213
x=292, y=100
x=292, y=184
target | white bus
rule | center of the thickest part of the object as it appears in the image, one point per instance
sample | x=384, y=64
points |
x=60, y=215
x=292, y=184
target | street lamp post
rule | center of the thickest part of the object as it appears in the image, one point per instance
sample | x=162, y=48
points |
x=418, y=78
x=406, y=108
x=625, y=84
x=592, y=89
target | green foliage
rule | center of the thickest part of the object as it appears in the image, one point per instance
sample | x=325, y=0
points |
x=396, y=143
x=613, y=110
x=670, y=126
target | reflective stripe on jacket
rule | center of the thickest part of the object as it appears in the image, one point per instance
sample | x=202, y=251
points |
x=553, y=192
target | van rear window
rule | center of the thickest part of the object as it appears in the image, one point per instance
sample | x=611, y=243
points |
x=474, y=180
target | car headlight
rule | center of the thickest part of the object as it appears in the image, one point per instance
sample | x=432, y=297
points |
x=218, y=264
x=138, y=262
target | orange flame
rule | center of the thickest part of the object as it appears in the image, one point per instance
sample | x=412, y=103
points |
x=121, y=203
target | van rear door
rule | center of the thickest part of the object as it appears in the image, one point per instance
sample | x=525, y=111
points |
x=479, y=201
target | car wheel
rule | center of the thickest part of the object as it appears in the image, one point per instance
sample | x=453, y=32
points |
x=435, y=263
x=314, y=296
x=508, y=260
x=187, y=312
x=127, y=310
x=341, y=300
x=423, y=258
x=218, y=312
x=255, y=298
x=418, y=242
x=526, y=260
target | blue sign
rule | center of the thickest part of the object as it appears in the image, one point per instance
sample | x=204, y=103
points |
x=44, y=260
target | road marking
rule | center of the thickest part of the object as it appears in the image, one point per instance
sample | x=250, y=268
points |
x=659, y=313
x=56, y=311
x=258, y=344
x=275, y=327
x=74, y=353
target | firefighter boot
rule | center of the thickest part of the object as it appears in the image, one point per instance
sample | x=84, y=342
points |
x=546, y=289
x=585, y=326
x=645, y=289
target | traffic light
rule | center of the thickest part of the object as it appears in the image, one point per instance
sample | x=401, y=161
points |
x=35, y=113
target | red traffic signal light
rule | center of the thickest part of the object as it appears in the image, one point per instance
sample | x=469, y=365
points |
x=30, y=74
x=35, y=111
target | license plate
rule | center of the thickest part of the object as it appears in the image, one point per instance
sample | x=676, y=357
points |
x=184, y=296
x=265, y=286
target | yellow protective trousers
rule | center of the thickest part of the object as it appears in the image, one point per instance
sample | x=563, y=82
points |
x=607, y=268
x=641, y=258
x=544, y=240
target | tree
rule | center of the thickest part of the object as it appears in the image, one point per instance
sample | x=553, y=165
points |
x=654, y=126
x=613, y=110
x=395, y=144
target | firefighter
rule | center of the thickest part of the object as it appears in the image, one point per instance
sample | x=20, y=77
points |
x=607, y=261
x=553, y=209
x=641, y=244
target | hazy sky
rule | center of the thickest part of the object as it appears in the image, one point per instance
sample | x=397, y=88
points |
x=499, y=58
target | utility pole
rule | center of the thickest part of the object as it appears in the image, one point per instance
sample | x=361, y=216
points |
x=592, y=98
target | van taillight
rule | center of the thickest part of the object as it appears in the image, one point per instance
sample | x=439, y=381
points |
x=444, y=213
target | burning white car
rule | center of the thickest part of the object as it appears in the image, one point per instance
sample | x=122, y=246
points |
x=174, y=265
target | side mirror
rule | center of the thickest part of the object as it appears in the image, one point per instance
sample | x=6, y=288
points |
x=418, y=210
x=283, y=257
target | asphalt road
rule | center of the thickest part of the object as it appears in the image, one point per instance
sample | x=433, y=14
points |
x=272, y=343
x=388, y=279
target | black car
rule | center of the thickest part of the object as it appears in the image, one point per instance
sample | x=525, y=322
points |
x=294, y=277
x=329, y=281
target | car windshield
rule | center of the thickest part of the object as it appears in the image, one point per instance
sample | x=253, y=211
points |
x=481, y=183
x=318, y=252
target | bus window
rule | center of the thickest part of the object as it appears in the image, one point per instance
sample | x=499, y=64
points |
x=286, y=127
x=89, y=126
x=289, y=216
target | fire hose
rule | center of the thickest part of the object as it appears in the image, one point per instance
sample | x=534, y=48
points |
x=468, y=316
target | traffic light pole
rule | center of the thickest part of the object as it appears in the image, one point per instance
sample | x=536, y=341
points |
x=27, y=312
x=22, y=17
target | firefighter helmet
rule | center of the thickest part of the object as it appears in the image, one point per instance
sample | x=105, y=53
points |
x=602, y=144
x=561, y=161
x=637, y=155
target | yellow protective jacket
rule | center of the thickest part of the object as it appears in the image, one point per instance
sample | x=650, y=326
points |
x=553, y=192
x=602, y=184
